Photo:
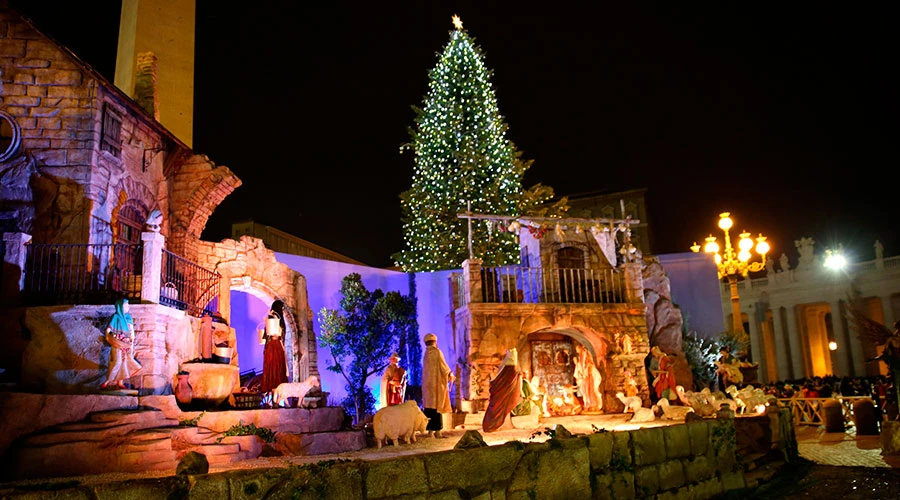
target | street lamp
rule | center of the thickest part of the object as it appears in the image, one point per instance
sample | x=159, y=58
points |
x=732, y=264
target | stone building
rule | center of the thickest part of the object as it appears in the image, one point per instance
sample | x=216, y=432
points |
x=100, y=200
x=793, y=314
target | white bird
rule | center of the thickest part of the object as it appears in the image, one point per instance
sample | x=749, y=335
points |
x=673, y=412
x=154, y=221
x=632, y=403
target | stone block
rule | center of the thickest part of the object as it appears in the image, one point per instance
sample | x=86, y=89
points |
x=622, y=485
x=698, y=433
x=697, y=469
x=252, y=484
x=554, y=467
x=208, y=486
x=890, y=437
x=57, y=77
x=321, y=443
x=646, y=480
x=671, y=475
x=165, y=487
x=733, y=481
x=649, y=446
x=473, y=467
x=395, y=477
x=622, y=447
x=678, y=442
x=600, y=447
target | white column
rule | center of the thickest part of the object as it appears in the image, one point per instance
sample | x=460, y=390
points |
x=756, y=350
x=842, y=338
x=781, y=351
x=14, y=257
x=889, y=318
x=152, y=266
x=858, y=364
x=793, y=336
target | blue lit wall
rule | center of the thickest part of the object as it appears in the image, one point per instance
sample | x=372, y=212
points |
x=695, y=290
x=323, y=283
x=247, y=312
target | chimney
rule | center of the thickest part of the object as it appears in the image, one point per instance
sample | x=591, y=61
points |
x=145, y=92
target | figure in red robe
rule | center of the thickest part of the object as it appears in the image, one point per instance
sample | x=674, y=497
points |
x=506, y=394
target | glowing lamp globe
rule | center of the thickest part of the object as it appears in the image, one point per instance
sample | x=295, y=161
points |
x=725, y=221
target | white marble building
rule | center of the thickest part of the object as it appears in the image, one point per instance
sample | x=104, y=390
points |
x=792, y=315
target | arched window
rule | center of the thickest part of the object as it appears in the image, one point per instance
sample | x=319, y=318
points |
x=130, y=222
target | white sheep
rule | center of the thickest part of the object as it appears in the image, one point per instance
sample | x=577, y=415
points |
x=293, y=390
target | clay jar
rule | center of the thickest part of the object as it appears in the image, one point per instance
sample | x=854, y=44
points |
x=183, y=390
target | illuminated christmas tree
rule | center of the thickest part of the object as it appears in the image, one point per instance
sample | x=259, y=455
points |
x=462, y=158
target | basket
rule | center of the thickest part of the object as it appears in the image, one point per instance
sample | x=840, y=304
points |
x=247, y=400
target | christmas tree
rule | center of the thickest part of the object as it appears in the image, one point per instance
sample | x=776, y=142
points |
x=464, y=162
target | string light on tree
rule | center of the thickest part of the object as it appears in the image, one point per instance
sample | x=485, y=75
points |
x=463, y=162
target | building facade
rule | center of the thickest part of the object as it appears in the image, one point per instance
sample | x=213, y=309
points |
x=794, y=314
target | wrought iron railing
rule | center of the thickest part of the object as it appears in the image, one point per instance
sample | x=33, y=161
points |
x=82, y=273
x=188, y=286
x=509, y=284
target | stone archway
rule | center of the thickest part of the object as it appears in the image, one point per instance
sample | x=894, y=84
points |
x=248, y=266
x=545, y=346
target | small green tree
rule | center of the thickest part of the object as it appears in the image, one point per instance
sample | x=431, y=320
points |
x=362, y=335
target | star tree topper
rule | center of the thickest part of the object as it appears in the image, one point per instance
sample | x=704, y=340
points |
x=457, y=22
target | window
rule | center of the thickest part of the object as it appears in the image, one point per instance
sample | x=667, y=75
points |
x=112, y=130
x=570, y=258
x=131, y=222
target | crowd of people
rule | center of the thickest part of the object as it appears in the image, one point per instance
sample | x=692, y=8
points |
x=878, y=387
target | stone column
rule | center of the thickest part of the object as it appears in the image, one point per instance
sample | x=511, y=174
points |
x=857, y=357
x=301, y=362
x=784, y=369
x=225, y=294
x=889, y=318
x=14, y=257
x=756, y=352
x=634, y=282
x=152, y=270
x=842, y=338
x=793, y=335
x=472, y=280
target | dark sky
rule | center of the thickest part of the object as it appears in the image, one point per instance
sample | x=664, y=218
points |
x=785, y=115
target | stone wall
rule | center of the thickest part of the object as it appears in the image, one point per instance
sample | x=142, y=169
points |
x=695, y=460
x=484, y=331
x=65, y=351
x=67, y=187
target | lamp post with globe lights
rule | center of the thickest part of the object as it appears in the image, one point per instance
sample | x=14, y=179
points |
x=733, y=263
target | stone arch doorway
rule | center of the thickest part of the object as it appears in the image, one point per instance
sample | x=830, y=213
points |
x=551, y=354
x=249, y=307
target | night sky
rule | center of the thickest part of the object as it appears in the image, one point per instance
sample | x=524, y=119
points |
x=785, y=115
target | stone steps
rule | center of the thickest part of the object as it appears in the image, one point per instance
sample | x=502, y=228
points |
x=144, y=439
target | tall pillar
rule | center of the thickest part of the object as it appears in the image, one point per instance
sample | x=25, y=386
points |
x=842, y=338
x=634, y=283
x=857, y=356
x=784, y=370
x=888, y=311
x=14, y=257
x=793, y=336
x=472, y=280
x=225, y=294
x=151, y=274
x=756, y=351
